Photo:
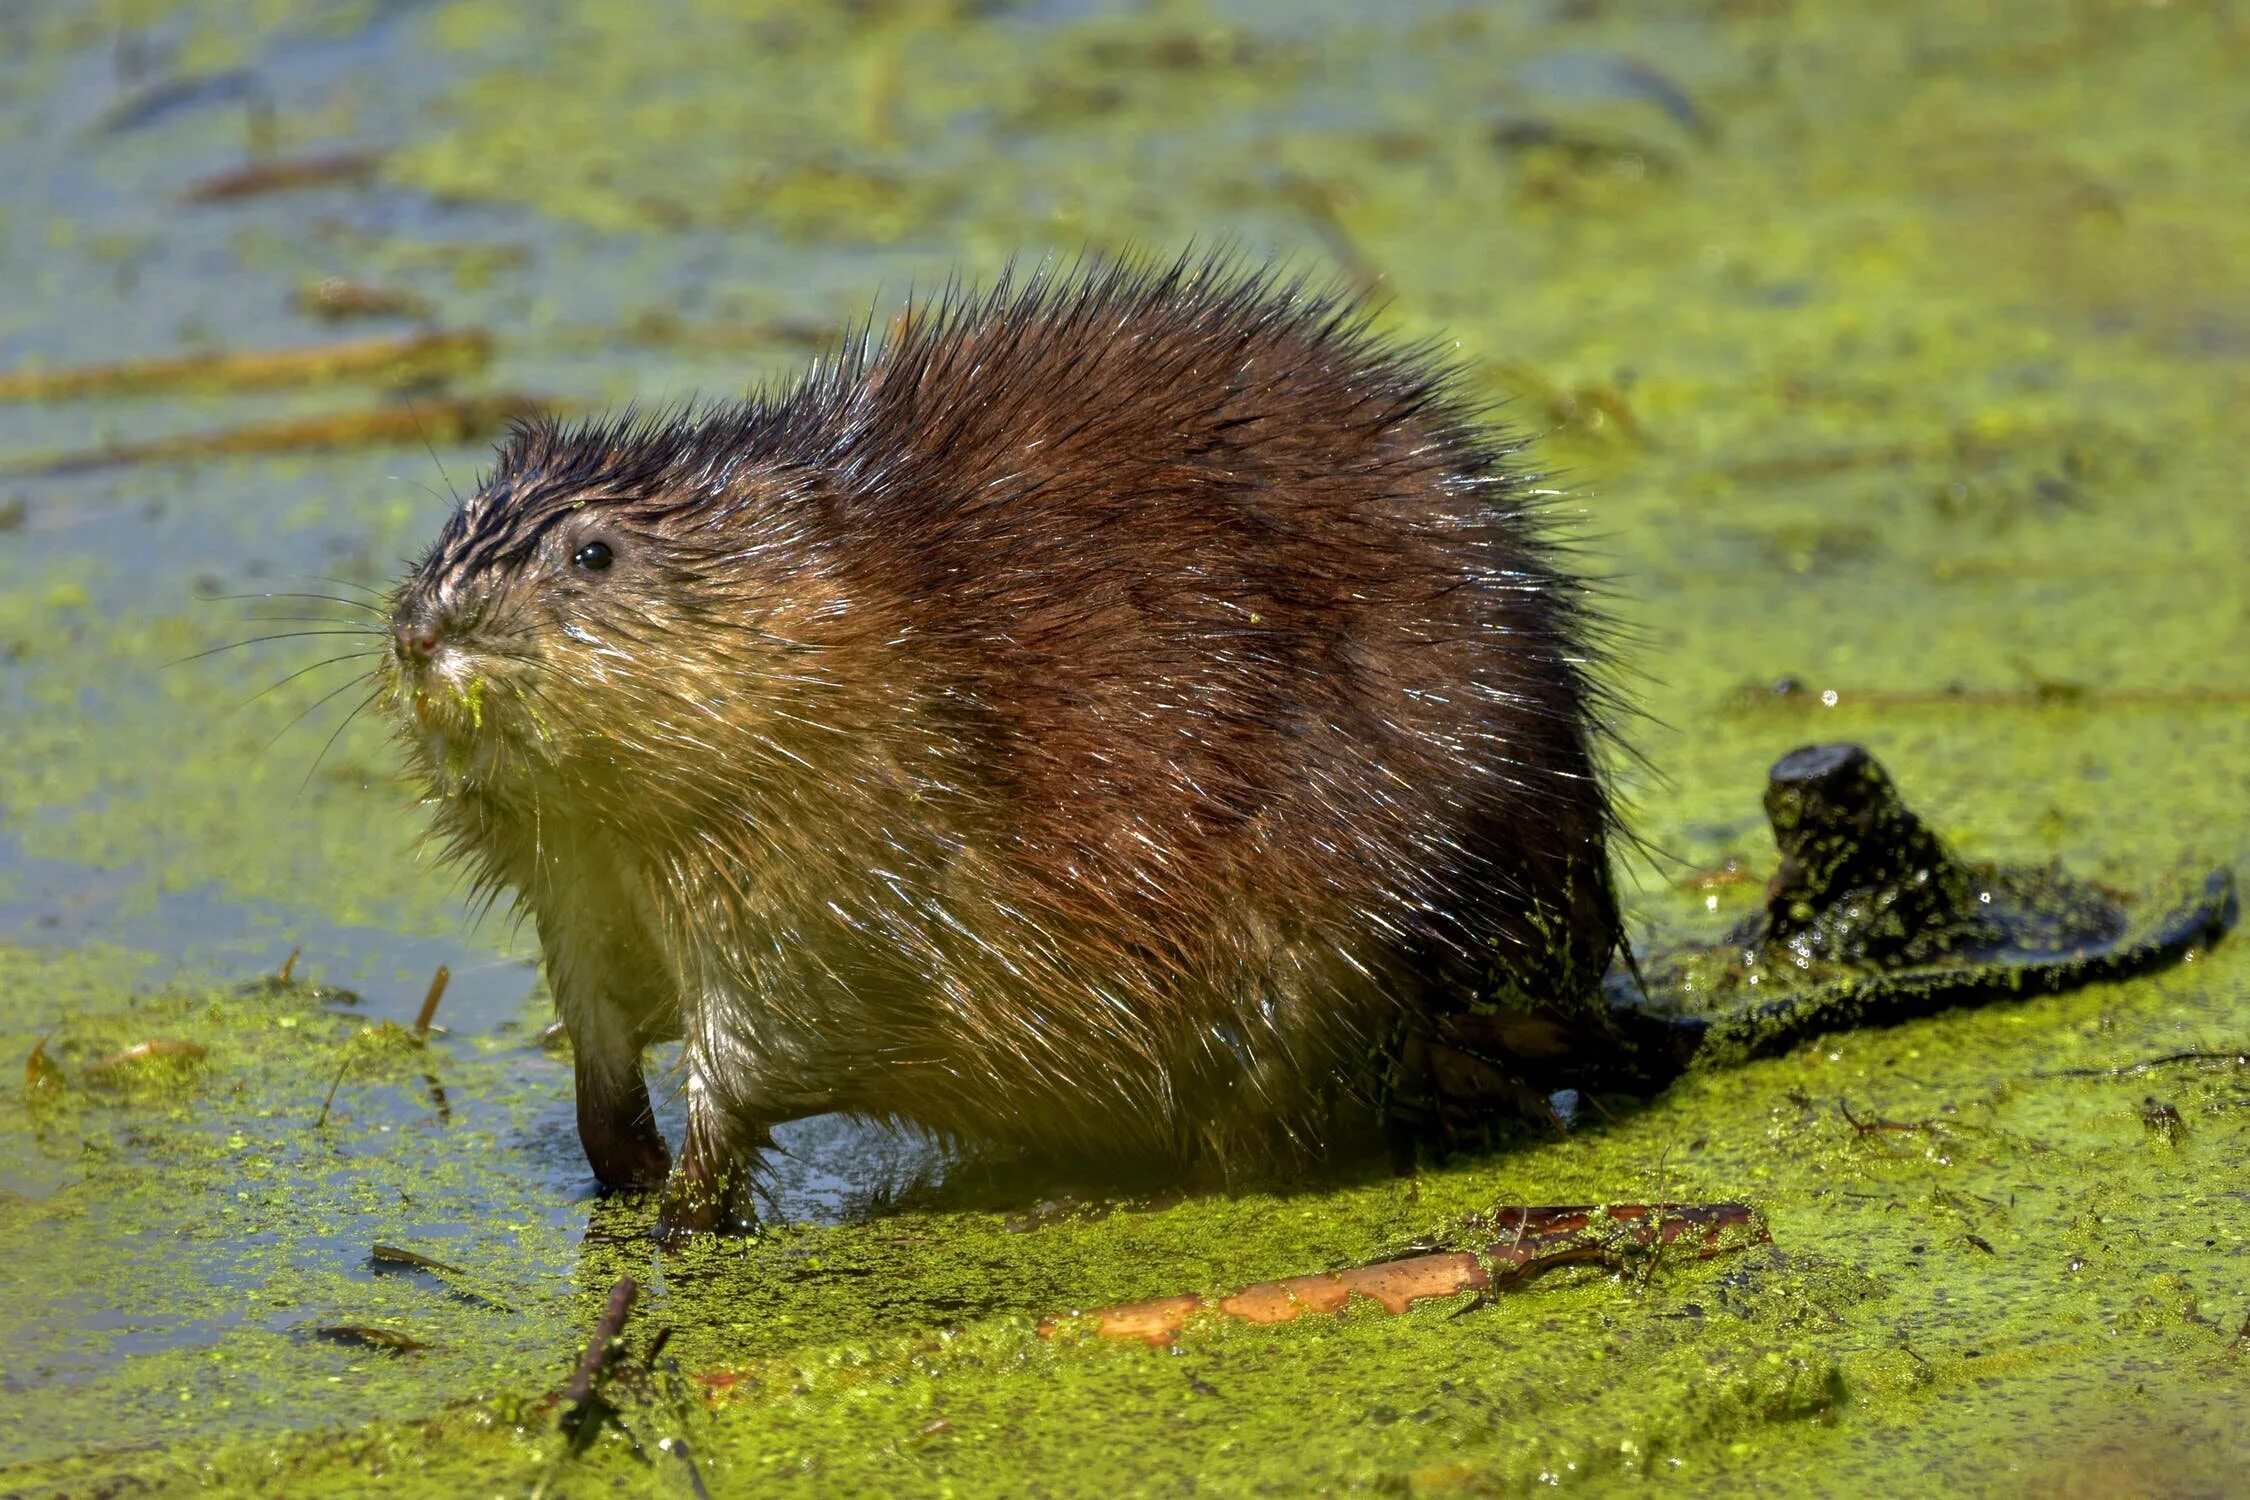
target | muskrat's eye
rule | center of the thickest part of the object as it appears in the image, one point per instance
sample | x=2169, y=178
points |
x=594, y=557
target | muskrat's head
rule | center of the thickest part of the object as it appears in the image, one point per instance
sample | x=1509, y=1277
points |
x=601, y=593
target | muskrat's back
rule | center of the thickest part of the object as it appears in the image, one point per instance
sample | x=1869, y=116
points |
x=1134, y=713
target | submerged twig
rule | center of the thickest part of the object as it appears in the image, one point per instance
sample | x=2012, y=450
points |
x=41, y=1073
x=395, y=1255
x=1795, y=693
x=334, y=1084
x=334, y=298
x=410, y=359
x=1871, y=1126
x=456, y=421
x=371, y=1337
x=678, y=1448
x=663, y=326
x=283, y=176
x=2238, y=1057
x=1592, y=409
x=1322, y=205
x=1534, y=1240
x=1964, y=445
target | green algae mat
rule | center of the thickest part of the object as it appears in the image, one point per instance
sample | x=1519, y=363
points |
x=1897, y=358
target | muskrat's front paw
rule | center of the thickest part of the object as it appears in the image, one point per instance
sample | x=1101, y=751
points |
x=694, y=1206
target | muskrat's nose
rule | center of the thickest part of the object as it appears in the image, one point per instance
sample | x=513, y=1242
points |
x=416, y=640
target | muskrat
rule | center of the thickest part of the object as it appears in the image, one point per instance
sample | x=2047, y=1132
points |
x=1137, y=712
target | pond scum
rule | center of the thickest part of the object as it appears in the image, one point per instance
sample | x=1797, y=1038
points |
x=1897, y=355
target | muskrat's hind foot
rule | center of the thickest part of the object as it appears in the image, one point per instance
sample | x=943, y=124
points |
x=616, y=1124
x=709, y=1190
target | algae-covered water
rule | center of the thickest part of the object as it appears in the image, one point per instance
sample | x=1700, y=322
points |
x=1897, y=357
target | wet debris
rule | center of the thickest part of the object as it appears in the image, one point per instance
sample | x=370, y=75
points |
x=1729, y=872
x=1601, y=78
x=2162, y=1120
x=1871, y=919
x=1593, y=410
x=606, y=1374
x=285, y=981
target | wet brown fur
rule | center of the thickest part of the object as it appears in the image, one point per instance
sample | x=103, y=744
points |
x=1136, y=712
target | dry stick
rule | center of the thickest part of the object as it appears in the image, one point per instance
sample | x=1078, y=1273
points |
x=438, y=982
x=288, y=966
x=1539, y=1239
x=606, y=1333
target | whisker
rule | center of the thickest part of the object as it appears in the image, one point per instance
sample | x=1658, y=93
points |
x=301, y=671
x=337, y=733
x=426, y=448
x=323, y=598
x=370, y=627
x=313, y=706
x=360, y=632
x=425, y=489
x=378, y=595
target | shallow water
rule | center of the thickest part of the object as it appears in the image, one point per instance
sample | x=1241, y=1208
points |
x=1890, y=350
